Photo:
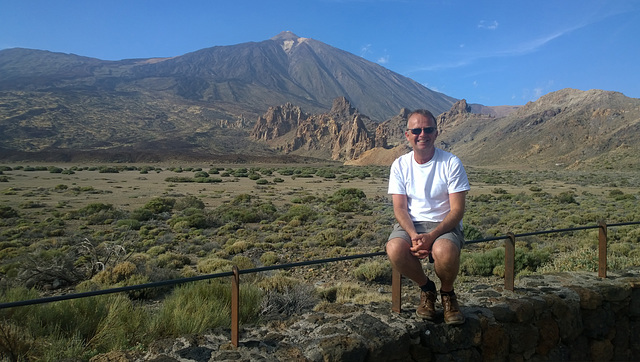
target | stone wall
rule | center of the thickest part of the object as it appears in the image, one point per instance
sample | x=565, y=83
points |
x=555, y=317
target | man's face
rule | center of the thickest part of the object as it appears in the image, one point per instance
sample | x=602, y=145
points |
x=423, y=140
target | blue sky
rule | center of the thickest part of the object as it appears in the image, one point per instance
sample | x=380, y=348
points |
x=488, y=52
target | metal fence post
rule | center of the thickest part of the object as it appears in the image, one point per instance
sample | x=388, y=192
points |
x=235, y=305
x=509, y=261
x=396, y=290
x=602, y=249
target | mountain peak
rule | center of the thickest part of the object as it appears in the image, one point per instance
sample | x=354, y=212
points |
x=285, y=35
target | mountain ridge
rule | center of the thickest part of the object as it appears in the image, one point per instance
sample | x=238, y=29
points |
x=270, y=100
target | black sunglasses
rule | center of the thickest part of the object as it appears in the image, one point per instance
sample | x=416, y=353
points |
x=417, y=131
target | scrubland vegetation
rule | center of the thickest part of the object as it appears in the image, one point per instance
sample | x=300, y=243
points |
x=83, y=228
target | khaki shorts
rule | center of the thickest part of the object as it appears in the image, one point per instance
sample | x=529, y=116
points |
x=455, y=235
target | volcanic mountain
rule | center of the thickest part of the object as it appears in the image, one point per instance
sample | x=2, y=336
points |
x=283, y=99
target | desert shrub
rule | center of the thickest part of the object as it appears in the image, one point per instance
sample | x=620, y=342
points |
x=201, y=306
x=278, y=282
x=581, y=259
x=180, y=179
x=566, y=197
x=97, y=213
x=471, y=233
x=214, y=265
x=269, y=258
x=130, y=224
x=108, y=169
x=328, y=237
x=60, y=187
x=32, y=205
x=200, y=174
x=290, y=300
x=160, y=204
x=262, y=181
x=7, y=212
x=172, y=260
x=301, y=213
x=491, y=262
x=93, y=208
x=481, y=264
x=530, y=259
x=242, y=262
x=325, y=173
x=195, y=219
x=374, y=271
x=240, y=172
x=237, y=247
x=141, y=214
x=286, y=171
x=115, y=274
x=245, y=209
x=348, y=200
x=156, y=250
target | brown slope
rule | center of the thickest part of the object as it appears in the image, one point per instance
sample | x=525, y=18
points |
x=564, y=128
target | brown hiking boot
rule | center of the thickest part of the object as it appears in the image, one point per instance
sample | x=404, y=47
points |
x=452, y=313
x=427, y=307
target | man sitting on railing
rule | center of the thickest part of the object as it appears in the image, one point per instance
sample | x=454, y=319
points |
x=428, y=188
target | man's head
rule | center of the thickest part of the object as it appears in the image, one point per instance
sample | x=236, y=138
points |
x=421, y=130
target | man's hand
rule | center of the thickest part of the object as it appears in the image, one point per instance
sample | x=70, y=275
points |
x=421, y=245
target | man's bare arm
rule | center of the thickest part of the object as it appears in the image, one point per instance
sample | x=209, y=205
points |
x=401, y=212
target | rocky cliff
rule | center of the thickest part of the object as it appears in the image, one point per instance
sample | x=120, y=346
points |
x=340, y=134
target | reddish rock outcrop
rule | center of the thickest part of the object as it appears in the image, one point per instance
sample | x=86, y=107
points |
x=341, y=134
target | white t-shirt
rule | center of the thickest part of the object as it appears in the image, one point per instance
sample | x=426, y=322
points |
x=428, y=185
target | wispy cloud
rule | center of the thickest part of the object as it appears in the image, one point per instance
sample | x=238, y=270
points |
x=491, y=25
x=464, y=59
x=519, y=49
x=383, y=59
x=365, y=49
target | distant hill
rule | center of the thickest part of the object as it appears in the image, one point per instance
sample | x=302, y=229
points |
x=569, y=128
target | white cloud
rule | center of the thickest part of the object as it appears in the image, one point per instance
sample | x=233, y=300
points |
x=383, y=60
x=364, y=50
x=491, y=25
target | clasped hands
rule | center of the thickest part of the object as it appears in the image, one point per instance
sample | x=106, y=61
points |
x=421, y=245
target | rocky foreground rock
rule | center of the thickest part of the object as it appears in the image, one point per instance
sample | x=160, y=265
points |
x=554, y=317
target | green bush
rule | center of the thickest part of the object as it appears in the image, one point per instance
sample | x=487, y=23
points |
x=141, y=214
x=374, y=271
x=269, y=258
x=131, y=224
x=189, y=202
x=348, y=200
x=7, y=212
x=160, y=204
x=301, y=213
